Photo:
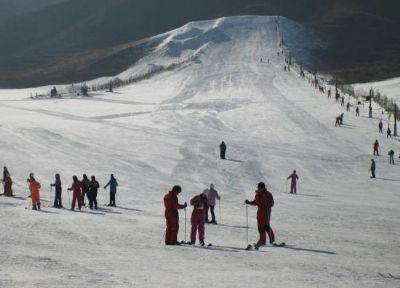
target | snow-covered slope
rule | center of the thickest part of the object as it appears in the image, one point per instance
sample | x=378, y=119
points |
x=390, y=87
x=342, y=228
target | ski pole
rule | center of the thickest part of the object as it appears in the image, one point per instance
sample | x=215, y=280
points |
x=247, y=223
x=220, y=221
x=28, y=202
x=105, y=197
x=69, y=198
x=162, y=238
x=116, y=194
x=51, y=192
x=286, y=186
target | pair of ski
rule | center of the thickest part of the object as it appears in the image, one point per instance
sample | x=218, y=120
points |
x=257, y=247
x=190, y=244
x=389, y=276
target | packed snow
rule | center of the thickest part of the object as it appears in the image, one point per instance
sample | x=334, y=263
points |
x=341, y=230
x=390, y=88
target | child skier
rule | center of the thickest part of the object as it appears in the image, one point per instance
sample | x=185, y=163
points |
x=293, y=183
x=34, y=188
x=199, y=204
x=76, y=187
x=113, y=189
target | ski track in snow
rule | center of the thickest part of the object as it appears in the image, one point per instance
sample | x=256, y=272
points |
x=342, y=228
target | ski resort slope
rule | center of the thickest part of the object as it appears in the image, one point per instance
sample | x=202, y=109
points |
x=342, y=229
x=390, y=88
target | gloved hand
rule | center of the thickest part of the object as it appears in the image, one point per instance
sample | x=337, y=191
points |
x=247, y=202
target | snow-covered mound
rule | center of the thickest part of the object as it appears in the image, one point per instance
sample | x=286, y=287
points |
x=342, y=229
x=390, y=87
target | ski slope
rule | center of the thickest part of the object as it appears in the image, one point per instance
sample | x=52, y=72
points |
x=390, y=88
x=342, y=229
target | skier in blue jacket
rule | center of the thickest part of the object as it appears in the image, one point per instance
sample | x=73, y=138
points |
x=113, y=189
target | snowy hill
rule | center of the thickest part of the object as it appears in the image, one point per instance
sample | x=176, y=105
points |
x=342, y=229
x=390, y=87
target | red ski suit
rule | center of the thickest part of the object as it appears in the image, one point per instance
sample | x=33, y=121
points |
x=293, y=183
x=264, y=201
x=172, y=217
x=200, y=204
x=77, y=194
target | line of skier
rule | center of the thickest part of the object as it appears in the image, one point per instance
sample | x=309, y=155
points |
x=79, y=188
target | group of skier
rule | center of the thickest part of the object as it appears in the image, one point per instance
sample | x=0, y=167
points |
x=80, y=189
x=201, y=203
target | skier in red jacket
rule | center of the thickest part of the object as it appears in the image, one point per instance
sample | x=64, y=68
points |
x=172, y=216
x=264, y=201
x=293, y=183
x=76, y=187
x=200, y=204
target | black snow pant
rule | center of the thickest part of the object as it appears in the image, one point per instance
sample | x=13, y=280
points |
x=112, y=198
x=211, y=207
x=373, y=173
x=222, y=154
x=57, y=199
x=92, y=195
x=391, y=159
x=84, y=192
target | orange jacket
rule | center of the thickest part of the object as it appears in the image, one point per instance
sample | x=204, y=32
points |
x=34, y=187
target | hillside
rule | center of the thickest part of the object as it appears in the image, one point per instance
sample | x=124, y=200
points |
x=39, y=42
x=342, y=228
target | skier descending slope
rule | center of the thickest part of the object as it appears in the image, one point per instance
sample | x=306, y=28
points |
x=264, y=201
x=76, y=187
x=376, y=148
x=172, y=216
x=372, y=168
x=34, y=187
x=293, y=184
x=199, y=204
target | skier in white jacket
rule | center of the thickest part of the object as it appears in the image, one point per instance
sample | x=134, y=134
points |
x=211, y=194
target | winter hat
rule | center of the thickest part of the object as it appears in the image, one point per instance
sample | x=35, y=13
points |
x=177, y=189
x=261, y=185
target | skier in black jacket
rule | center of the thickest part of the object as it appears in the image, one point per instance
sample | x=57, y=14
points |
x=57, y=198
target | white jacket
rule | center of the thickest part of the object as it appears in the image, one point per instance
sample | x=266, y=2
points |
x=211, y=194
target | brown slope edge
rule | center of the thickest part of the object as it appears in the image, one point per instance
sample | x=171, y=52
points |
x=82, y=66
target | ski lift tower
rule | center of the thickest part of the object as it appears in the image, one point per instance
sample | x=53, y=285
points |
x=371, y=93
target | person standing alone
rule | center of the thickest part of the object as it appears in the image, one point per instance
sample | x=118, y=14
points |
x=113, y=189
x=293, y=184
x=222, y=148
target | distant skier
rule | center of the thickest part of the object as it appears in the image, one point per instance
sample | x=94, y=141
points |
x=76, y=189
x=341, y=119
x=337, y=123
x=172, y=206
x=342, y=102
x=388, y=133
x=372, y=168
x=8, y=185
x=93, y=189
x=57, y=198
x=391, y=157
x=293, y=185
x=376, y=148
x=264, y=201
x=357, y=111
x=34, y=188
x=329, y=93
x=197, y=220
x=222, y=148
x=211, y=195
x=85, y=189
x=7, y=182
x=113, y=189
x=348, y=106
x=380, y=126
